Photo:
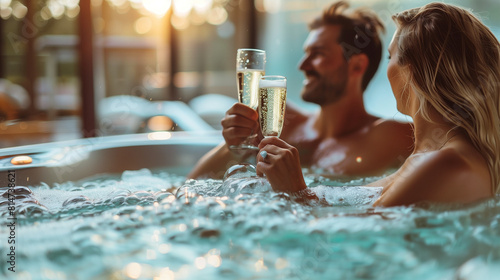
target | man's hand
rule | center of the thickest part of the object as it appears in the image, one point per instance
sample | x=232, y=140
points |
x=239, y=122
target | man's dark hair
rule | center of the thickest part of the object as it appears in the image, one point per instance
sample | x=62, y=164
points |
x=359, y=33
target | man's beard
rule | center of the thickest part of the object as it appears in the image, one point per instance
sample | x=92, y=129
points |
x=325, y=92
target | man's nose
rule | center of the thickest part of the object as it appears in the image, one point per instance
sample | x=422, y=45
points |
x=304, y=63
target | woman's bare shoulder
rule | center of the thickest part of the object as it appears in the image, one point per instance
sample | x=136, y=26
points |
x=446, y=175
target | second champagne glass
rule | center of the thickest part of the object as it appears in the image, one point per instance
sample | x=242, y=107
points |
x=250, y=66
x=272, y=102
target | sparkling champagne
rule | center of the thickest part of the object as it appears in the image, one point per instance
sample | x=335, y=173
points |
x=272, y=106
x=250, y=65
x=248, y=86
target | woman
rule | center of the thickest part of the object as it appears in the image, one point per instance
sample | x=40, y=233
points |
x=444, y=70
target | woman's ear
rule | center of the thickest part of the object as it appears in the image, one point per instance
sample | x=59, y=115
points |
x=358, y=64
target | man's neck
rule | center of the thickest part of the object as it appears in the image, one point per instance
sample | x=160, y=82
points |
x=342, y=118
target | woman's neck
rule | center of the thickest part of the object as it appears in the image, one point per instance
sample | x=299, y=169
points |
x=434, y=134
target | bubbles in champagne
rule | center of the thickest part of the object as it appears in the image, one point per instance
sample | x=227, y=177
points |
x=248, y=87
x=272, y=107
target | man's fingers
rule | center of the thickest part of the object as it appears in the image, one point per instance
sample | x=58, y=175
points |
x=238, y=121
x=243, y=110
x=234, y=132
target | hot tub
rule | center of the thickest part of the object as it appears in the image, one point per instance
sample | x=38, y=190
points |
x=121, y=208
x=78, y=159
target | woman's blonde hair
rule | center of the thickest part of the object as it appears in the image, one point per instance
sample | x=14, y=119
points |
x=454, y=63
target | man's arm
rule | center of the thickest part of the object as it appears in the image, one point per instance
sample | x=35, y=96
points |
x=215, y=163
x=239, y=122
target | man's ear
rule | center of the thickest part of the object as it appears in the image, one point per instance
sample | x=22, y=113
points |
x=358, y=64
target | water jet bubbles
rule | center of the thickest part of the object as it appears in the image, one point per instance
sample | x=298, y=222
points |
x=22, y=190
x=17, y=191
x=84, y=228
x=43, y=186
x=186, y=195
x=243, y=179
x=126, y=210
x=487, y=235
x=80, y=200
x=76, y=189
x=478, y=268
x=162, y=195
x=144, y=197
x=132, y=200
x=281, y=196
x=255, y=185
x=27, y=201
x=119, y=200
x=119, y=192
x=239, y=171
x=96, y=184
x=32, y=210
x=136, y=174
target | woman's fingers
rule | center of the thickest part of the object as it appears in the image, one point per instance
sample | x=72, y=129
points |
x=280, y=162
x=274, y=141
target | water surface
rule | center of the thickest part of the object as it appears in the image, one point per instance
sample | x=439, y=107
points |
x=155, y=225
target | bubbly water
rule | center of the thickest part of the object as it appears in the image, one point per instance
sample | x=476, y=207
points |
x=144, y=225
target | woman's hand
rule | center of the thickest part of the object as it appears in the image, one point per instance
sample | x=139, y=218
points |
x=239, y=122
x=281, y=165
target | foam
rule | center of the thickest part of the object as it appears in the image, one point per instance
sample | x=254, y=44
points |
x=272, y=83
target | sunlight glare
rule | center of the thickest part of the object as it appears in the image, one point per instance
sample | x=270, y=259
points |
x=202, y=6
x=179, y=23
x=157, y=7
x=19, y=10
x=182, y=8
x=272, y=6
x=167, y=274
x=143, y=25
x=159, y=135
x=217, y=16
x=133, y=270
x=4, y=4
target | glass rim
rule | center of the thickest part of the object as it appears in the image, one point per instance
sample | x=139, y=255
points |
x=253, y=50
x=273, y=77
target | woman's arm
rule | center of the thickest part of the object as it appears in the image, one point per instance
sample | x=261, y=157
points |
x=280, y=162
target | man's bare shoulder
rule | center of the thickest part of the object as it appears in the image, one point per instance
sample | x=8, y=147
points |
x=392, y=131
x=297, y=128
x=386, y=125
x=294, y=111
x=295, y=118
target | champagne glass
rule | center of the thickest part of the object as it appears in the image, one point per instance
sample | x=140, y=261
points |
x=250, y=66
x=272, y=102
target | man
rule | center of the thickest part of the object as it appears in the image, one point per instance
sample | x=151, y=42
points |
x=342, y=53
